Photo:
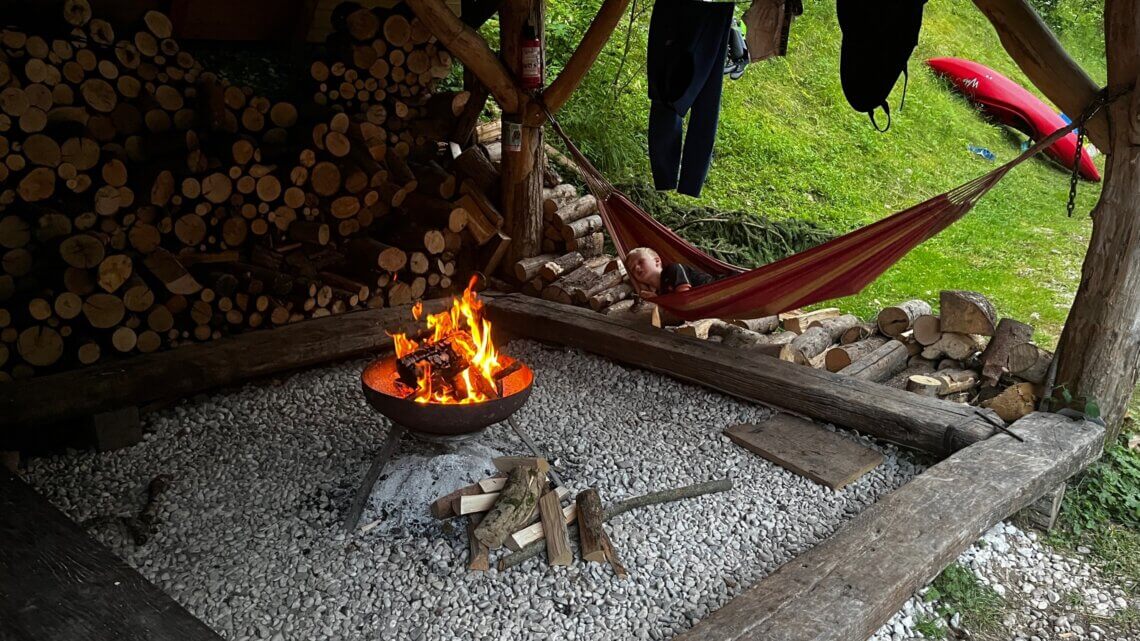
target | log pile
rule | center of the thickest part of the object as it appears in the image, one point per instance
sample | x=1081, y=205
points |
x=964, y=354
x=146, y=202
x=518, y=507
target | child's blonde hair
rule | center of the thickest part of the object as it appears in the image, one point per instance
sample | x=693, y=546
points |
x=634, y=254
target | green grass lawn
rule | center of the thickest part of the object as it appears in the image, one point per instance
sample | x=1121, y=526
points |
x=789, y=146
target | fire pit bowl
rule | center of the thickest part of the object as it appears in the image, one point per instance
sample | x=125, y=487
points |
x=379, y=383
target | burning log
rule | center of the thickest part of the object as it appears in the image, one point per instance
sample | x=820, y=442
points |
x=443, y=359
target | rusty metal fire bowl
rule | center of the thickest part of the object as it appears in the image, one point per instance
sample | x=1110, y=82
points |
x=379, y=382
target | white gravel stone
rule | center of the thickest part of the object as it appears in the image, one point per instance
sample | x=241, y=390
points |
x=251, y=539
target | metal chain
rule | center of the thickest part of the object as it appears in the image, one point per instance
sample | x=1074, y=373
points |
x=1101, y=99
x=1074, y=177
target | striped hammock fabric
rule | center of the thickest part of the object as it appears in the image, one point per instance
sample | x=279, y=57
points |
x=840, y=267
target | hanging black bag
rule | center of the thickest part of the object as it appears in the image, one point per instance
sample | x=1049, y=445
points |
x=878, y=39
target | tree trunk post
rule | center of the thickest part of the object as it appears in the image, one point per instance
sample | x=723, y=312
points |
x=1099, y=350
x=521, y=169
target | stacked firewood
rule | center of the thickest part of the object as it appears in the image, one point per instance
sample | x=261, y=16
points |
x=147, y=202
x=599, y=283
x=518, y=508
x=964, y=354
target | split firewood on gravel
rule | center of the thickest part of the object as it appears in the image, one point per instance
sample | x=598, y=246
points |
x=514, y=508
x=554, y=530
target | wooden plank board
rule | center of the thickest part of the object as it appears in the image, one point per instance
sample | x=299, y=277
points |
x=191, y=369
x=57, y=583
x=886, y=413
x=853, y=582
x=807, y=449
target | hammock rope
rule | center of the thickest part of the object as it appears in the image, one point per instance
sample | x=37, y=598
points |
x=840, y=267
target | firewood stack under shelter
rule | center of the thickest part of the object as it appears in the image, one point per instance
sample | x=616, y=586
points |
x=146, y=202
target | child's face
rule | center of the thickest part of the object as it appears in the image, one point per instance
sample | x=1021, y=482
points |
x=645, y=269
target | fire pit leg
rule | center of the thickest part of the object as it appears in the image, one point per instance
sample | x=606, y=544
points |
x=374, y=470
x=533, y=448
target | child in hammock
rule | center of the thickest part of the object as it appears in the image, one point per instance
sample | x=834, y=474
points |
x=651, y=278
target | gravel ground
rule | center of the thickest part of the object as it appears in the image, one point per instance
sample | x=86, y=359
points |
x=250, y=538
x=1046, y=595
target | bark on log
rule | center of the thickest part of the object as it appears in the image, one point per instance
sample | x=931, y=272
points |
x=884, y=362
x=995, y=358
x=965, y=312
x=1029, y=362
x=927, y=329
x=516, y=505
x=763, y=325
x=840, y=357
x=590, y=532
x=893, y=321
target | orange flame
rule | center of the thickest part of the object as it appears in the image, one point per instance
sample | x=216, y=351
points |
x=470, y=335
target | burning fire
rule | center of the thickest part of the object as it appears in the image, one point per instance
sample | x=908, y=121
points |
x=459, y=331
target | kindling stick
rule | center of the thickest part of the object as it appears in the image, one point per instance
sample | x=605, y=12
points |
x=621, y=507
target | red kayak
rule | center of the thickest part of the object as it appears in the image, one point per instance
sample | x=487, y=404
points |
x=1010, y=104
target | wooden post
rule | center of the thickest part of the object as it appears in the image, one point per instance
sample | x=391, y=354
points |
x=522, y=168
x=1099, y=350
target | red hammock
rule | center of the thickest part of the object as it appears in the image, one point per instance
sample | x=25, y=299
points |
x=840, y=267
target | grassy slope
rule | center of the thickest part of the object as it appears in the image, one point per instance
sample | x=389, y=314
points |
x=789, y=146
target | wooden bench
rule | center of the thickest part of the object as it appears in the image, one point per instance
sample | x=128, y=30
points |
x=57, y=583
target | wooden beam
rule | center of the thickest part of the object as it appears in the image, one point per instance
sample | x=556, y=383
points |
x=191, y=369
x=1036, y=50
x=466, y=44
x=596, y=37
x=853, y=582
x=57, y=583
x=884, y=412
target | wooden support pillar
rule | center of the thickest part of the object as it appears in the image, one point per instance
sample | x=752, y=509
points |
x=1099, y=352
x=116, y=429
x=521, y=169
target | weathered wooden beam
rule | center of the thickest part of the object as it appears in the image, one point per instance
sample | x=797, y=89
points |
x=928, y=424
x=190, y=369
x=1036, y=50
x=595, y=38
x=466, y=44
x=57, y=583
x=853, y=582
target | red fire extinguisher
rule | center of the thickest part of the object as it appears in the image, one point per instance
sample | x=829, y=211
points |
x=531, y=68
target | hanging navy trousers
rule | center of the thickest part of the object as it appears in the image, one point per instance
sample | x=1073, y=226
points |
x=688, y=40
